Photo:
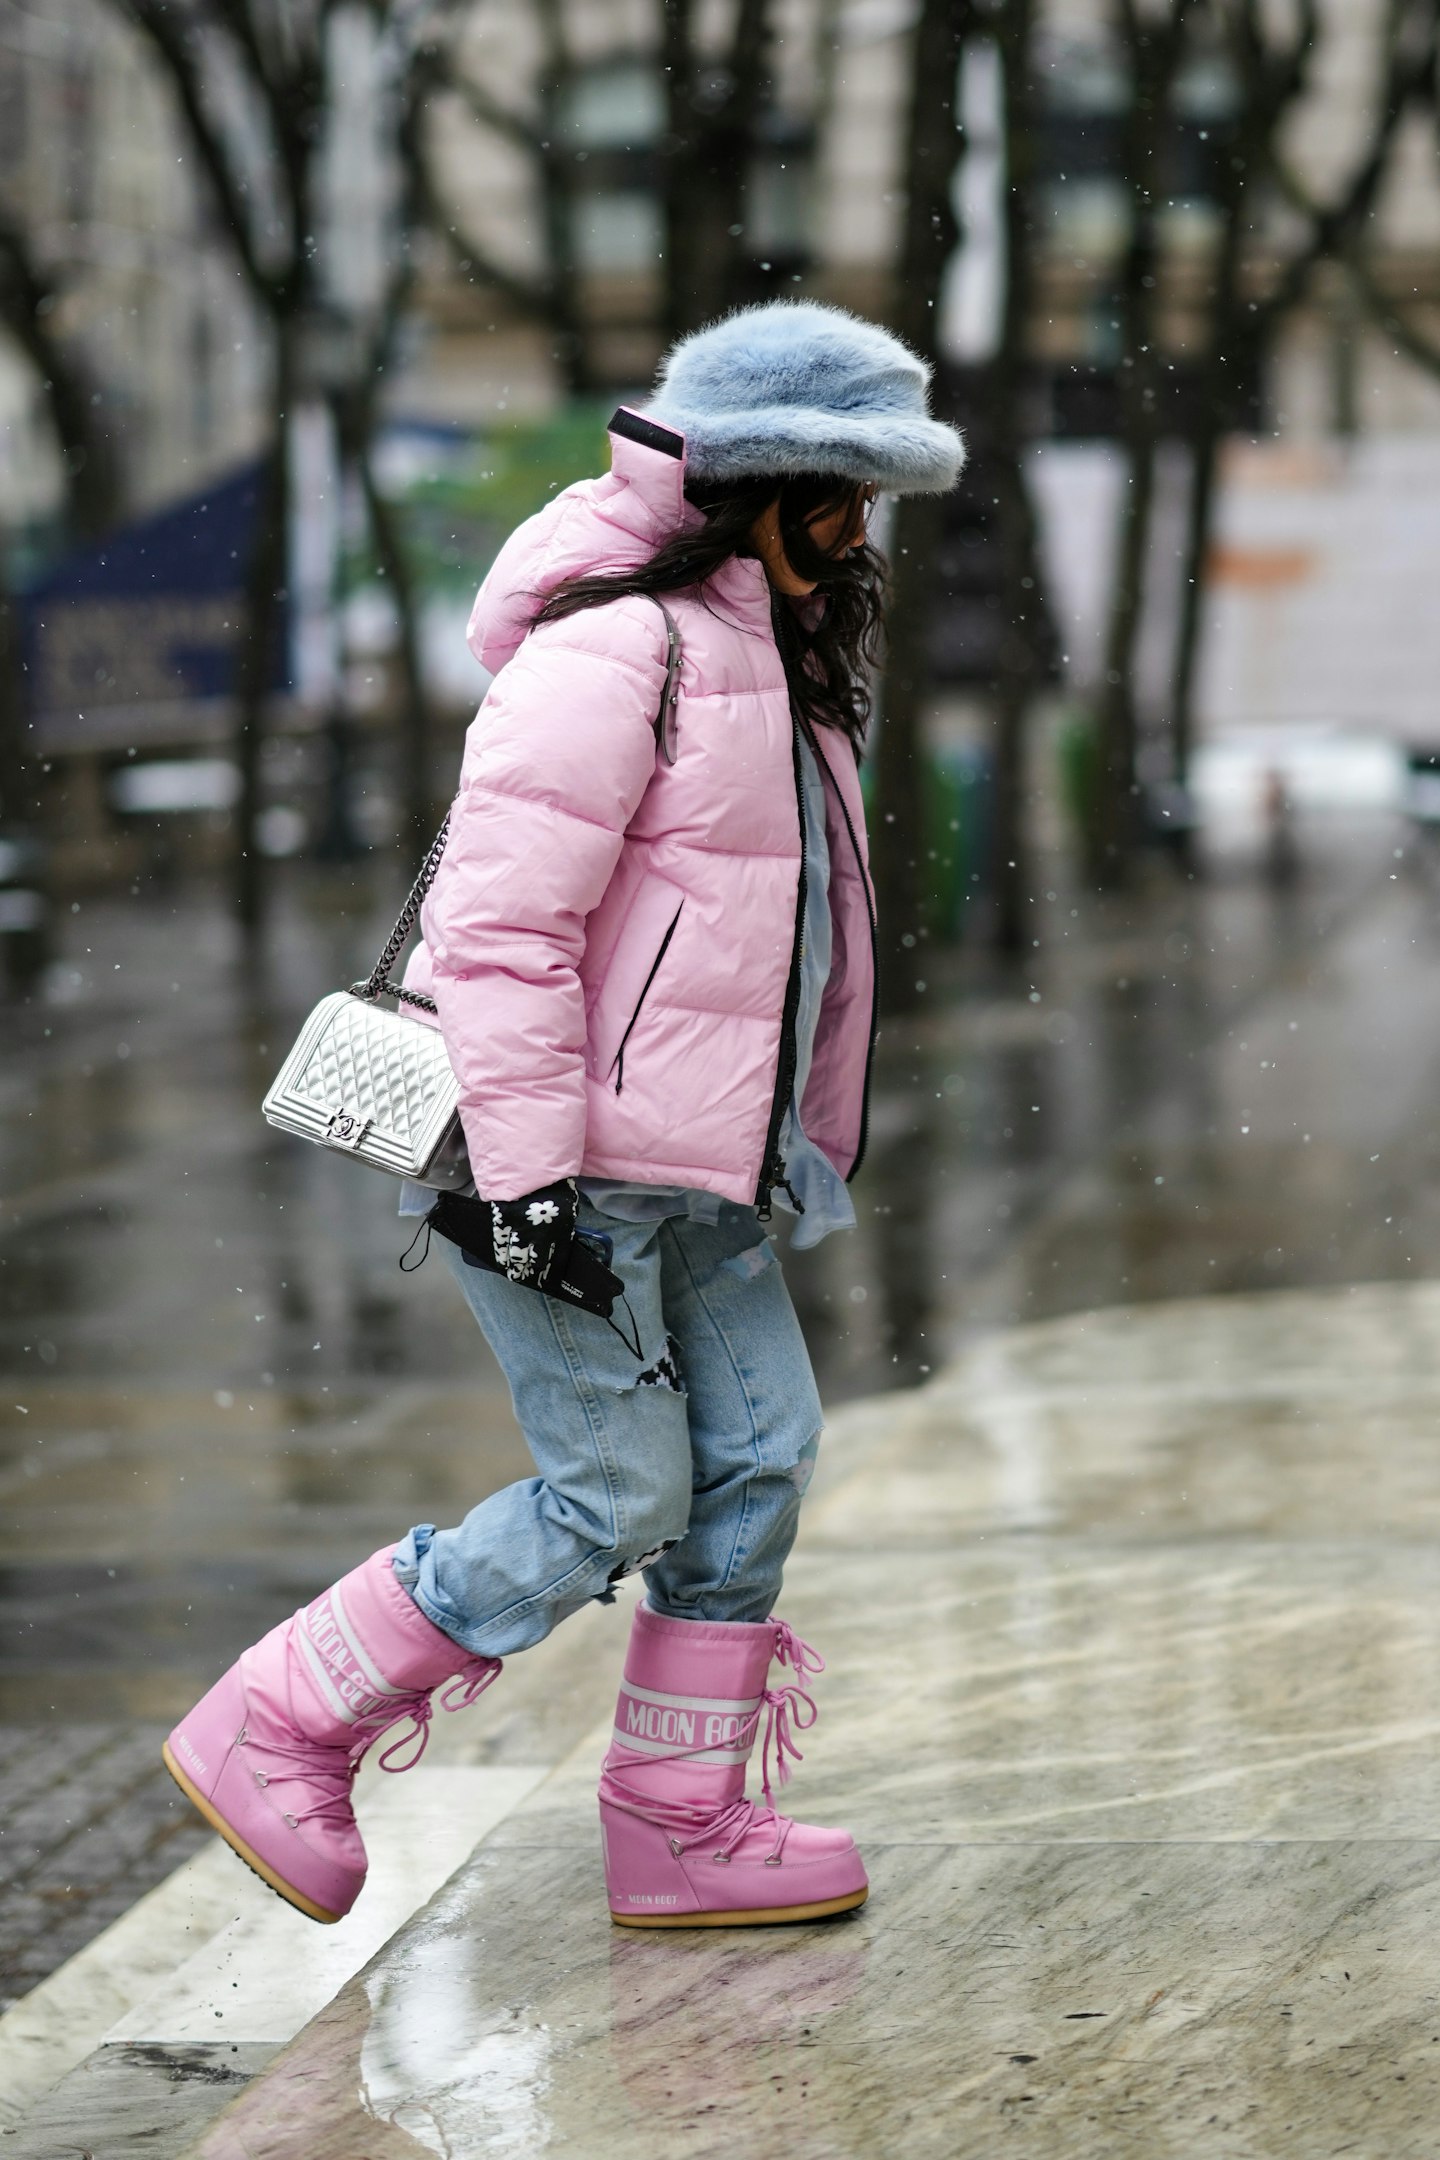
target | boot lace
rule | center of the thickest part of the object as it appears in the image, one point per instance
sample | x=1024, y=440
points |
x=331, y=1771
x=457, y=1694
x=787, y=1710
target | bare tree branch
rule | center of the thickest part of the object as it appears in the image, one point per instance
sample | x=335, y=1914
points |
x=1409, y=74
x=1383, y=311
x=928, y=235
x=1271, y=79
x=167, y=32
x=706, y=155
x=356, y=415
x=534, y=297
x=1388, y=317
x=514, y=127
x=1153, y=51
x=26, y=295
x=1020, y=647
x=240, y=21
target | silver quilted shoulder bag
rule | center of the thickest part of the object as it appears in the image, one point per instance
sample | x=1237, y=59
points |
x=370, y=1083
x=375, y=1086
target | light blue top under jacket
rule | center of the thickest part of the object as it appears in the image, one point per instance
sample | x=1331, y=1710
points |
x=818, y=1185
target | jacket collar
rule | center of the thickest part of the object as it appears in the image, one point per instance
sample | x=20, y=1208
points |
x=649, y=462
x=742, y=585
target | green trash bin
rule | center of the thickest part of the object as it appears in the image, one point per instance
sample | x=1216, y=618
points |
x=956, y=839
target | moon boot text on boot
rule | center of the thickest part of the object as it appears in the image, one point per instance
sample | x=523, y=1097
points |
x=683, y=1846
x=269, y=1756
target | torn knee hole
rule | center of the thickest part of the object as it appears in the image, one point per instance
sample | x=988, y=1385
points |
x=803, y=1467
x=665, y=1372
x=753, y=1261
x=633, y=1567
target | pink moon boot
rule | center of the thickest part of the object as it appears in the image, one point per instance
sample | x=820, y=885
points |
x=683, y=1846
x=269, y=1756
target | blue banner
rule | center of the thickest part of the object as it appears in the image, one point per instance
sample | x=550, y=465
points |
x=134, y=638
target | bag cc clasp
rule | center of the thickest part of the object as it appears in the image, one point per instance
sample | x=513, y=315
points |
x=347, y=1128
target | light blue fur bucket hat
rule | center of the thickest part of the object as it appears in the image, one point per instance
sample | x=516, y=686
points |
x=792, y=386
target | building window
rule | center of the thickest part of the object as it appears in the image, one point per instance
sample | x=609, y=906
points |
x=613, y=123
x=1083, y=195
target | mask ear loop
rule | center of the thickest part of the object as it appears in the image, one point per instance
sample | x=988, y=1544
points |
x=425, y=1226
x=632, y=1347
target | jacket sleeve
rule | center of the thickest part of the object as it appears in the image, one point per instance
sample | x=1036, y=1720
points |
x=556, y=762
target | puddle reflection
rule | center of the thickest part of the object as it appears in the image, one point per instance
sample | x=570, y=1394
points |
x=425, y=2069
x=512, y=2018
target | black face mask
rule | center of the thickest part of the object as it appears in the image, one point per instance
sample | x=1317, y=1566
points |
x=586, y=1277
x=803, y=552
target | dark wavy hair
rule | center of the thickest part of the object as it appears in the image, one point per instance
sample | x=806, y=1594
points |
x=828, y=652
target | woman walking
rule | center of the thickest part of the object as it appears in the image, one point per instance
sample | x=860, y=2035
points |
x=650, y=948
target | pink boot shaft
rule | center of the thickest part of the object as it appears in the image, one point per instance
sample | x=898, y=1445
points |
x=683, y=1846
x=270, y=1754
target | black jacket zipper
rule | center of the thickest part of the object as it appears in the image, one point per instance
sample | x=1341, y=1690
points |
x=618, y=1066
x=772, y=1167
x=874, y=991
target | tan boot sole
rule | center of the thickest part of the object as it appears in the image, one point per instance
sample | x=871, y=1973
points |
x=252, y=1859
x=766, y=1916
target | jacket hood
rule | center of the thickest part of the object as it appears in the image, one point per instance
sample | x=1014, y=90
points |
x=613, y=523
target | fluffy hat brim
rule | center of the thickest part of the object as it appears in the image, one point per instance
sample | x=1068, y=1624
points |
x=795, y=386
x=904, y=454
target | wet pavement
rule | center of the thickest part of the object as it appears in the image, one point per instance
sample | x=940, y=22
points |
x=1131, y=1620
x=218, y=1389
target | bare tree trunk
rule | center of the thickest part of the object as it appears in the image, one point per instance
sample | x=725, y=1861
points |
x=1021, y=599
x=258, y=649
x=92, y=477
x=17, y=776
x=1215, y=413
x=712, y=118
x=357, y=416
x=562, y=283
x=1195, y=572
x=902, y=887
x=1270, y=81
x=92, y=506
x=1117, y=818
x=1410, y=57
x=416, y=733
x=1154, y=52
x=676, y=32
x=927, y=243
x=281, y=56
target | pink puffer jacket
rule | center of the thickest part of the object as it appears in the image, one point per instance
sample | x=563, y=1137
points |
x=595, y=900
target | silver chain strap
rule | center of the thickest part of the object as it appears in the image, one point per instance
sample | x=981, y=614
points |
x=379, y=979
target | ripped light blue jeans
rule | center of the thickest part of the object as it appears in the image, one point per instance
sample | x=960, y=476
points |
x=689, y=1462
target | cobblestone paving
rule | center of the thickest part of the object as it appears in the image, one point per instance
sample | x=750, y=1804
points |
x=88, y=1823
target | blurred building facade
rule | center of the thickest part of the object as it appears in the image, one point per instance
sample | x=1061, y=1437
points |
x=94, y=177
x=541, y=270
x=94, y=170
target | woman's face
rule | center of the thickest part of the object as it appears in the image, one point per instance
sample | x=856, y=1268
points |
x=835, y=532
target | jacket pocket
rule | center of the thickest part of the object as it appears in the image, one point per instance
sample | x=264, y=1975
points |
x=617, y=1063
